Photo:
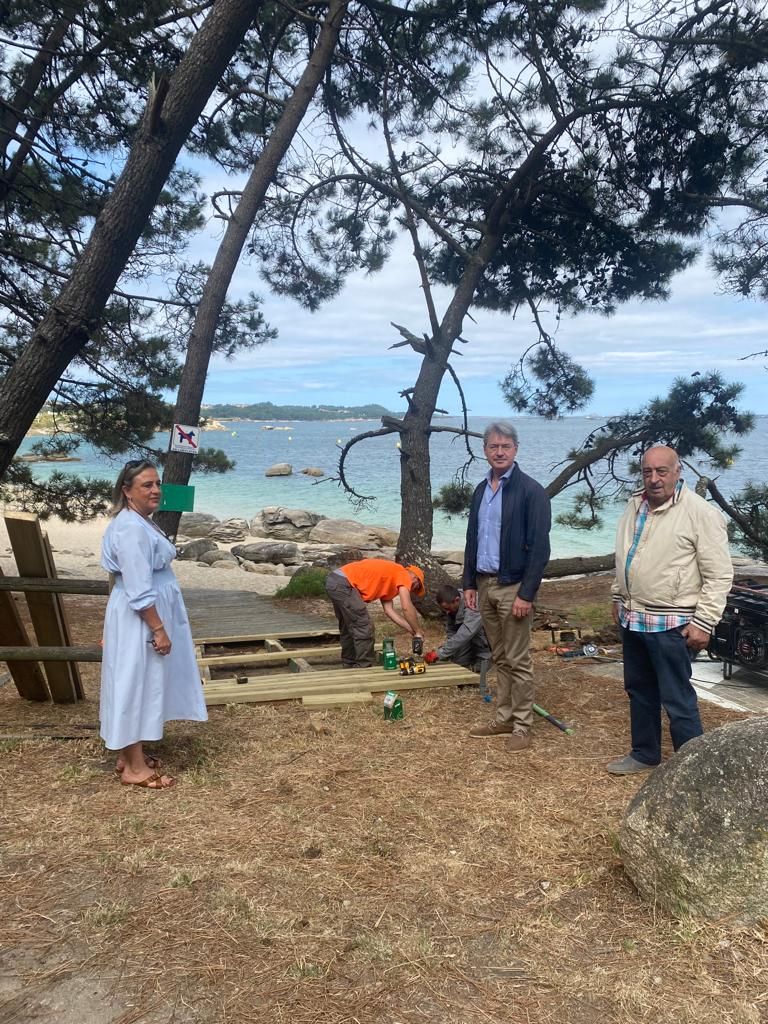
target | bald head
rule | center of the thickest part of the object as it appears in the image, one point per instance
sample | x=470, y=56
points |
x=661, y=471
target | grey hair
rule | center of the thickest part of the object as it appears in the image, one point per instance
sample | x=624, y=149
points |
x=128, y=474
x=503, y=427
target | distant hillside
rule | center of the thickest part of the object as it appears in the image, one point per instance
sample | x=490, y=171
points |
x=268, y=411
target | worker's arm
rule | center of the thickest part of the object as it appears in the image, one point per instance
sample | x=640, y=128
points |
x=409, y=620
x=463, y=636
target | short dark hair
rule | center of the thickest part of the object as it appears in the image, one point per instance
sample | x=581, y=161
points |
x=446, y=593
x=128, y=474
x=503, y=427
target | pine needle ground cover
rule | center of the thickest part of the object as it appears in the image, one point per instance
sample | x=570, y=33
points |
x=381, y=872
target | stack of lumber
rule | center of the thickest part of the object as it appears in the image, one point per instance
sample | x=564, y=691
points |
x=328, y=687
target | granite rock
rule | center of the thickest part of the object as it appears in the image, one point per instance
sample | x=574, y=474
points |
x=196, y=548
x=197, y=524
x=695, y=837
x=266, y=551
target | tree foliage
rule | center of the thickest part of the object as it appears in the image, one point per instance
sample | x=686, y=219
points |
x=75, y=85
x=538, y=165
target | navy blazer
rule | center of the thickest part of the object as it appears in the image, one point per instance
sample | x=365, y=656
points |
x=526, y=518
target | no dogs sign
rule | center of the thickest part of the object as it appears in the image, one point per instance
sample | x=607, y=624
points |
x=184, y=439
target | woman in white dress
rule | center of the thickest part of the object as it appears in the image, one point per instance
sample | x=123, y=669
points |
x=149, y=674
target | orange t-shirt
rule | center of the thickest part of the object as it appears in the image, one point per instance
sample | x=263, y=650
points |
x=376, y=579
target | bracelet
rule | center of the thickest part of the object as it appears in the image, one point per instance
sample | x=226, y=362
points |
x=157, y=629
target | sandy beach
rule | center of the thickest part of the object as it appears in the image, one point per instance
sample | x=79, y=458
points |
x=76, y=551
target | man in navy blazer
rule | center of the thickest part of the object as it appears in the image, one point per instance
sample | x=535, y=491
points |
x=506, y=551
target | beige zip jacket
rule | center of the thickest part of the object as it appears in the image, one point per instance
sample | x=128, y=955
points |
x=682, y=564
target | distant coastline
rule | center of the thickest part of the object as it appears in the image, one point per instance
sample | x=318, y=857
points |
x=266, y=411
x=216, y=417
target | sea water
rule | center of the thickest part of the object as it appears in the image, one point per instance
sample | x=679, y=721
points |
x=373, y=469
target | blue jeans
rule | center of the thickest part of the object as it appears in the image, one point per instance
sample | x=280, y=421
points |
x=657, y=673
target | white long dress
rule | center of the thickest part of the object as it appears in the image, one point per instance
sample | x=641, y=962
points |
x=141, y=689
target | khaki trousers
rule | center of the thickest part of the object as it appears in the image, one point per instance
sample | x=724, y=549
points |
x=510, y=641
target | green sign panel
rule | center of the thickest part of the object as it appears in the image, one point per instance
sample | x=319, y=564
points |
x=177, y=498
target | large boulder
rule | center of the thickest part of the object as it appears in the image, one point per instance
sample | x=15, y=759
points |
x=264, y=551
x=229, y=531
x=328, y=556
x=350, y=533
x=284, y=523
x=193, y=551
x=313, y=471
x=279, y=469
x=695, y=837
x=197, y=524
x=215, y=554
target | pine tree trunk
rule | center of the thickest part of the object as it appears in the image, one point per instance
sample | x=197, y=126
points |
x=416, y=519
x=75, y=314
x=178, y=466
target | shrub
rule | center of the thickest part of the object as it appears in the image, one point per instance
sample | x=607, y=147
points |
x=305, y=583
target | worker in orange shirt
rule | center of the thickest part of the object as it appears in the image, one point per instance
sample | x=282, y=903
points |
x=355, y=585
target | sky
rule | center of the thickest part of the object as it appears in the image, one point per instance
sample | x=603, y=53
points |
x=341, y=356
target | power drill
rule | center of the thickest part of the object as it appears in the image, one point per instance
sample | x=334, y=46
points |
x=417, y=647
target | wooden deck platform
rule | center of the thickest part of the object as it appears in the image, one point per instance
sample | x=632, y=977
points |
x=232, y=617
x=336, y=682
x=228, y=616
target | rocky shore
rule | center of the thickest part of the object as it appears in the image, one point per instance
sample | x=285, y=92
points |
x=282, y=541
x=258, y=554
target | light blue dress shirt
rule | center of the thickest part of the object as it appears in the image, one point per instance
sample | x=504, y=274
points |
x=489, y=524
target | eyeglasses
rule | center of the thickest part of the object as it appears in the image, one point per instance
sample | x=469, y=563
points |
x=500, y=447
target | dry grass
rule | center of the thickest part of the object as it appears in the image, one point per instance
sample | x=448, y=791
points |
x=389, y=872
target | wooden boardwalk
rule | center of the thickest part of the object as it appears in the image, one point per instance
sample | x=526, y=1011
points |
x=226, y=616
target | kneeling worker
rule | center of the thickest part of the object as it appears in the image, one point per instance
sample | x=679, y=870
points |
x=466, y=643
x=354, y=586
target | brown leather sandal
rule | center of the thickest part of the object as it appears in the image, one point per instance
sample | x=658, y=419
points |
x=153, y=781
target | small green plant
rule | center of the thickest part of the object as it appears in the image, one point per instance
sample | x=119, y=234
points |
x=105, y=915
x=183, y=879
x=305, y=583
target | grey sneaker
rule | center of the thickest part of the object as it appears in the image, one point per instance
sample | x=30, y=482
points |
x=628, y=766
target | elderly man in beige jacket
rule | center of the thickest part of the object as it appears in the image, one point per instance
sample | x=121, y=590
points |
x=673, y=574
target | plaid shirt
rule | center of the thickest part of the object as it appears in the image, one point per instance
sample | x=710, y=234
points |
x=647, y=622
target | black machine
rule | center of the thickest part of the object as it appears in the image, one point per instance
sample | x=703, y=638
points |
x=741, y=636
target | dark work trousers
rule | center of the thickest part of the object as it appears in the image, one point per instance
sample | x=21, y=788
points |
x=355, y=624
x=657, y=673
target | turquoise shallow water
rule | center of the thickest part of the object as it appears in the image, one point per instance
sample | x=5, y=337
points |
x=373, y=469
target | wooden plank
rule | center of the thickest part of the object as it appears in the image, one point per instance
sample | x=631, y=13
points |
x=289, y=686
x=330, y=700
x=34, y=558
x=27, y=676
x=300, y=633
x=274, y=657
x=251, y=693
x=299, y=665
x=31, y=654
x=376, y=679
x=205, y=672
x=27, y=584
